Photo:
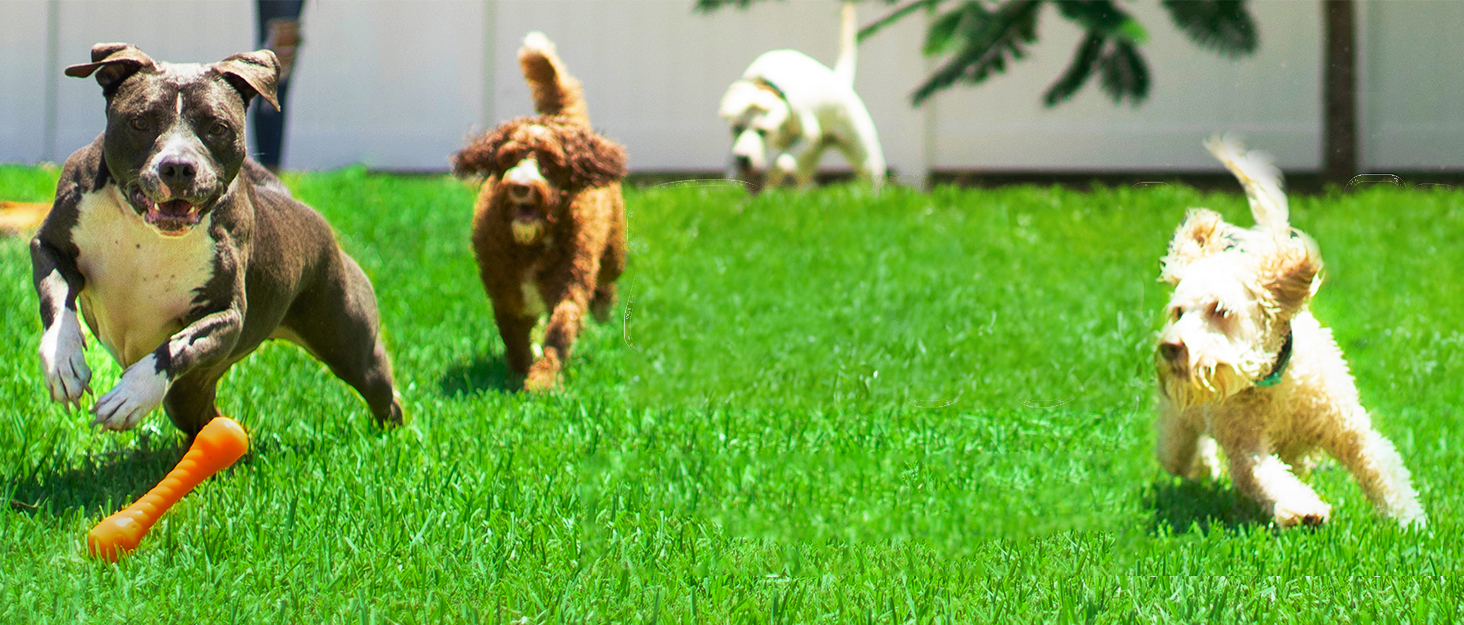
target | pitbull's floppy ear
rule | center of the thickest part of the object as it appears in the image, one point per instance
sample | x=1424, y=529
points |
x=253, y=73
x=112, y=63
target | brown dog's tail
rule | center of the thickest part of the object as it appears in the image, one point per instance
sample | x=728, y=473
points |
x=556, y=92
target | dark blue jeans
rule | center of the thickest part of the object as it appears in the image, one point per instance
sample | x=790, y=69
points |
x=269, y=124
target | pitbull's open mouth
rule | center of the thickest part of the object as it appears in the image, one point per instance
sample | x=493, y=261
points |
x=173, y=217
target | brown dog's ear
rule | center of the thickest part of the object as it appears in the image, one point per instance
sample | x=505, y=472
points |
x=253, y=73
x=112, y=63
x=479, y=159
x=1204, y=232
x=594, y=161
x=1291, y=272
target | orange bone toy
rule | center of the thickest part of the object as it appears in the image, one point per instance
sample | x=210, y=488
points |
x=219, y=445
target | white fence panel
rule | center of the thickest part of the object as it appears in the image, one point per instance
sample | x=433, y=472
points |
x=398, y=84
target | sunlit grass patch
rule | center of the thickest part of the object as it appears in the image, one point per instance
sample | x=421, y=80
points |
x=822, y=405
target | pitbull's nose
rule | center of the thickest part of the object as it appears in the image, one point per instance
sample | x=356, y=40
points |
x=1171, y=351
x=177, y=172
x=742, y=162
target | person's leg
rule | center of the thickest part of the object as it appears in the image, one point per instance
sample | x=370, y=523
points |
x=279, y=30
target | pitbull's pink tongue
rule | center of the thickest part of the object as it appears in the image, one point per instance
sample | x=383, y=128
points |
x=175, y=209
x=172, y=216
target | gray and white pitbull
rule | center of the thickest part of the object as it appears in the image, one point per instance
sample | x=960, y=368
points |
x=184, y=255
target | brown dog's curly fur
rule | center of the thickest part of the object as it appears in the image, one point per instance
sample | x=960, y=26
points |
x=570, y=154
x=549, y=223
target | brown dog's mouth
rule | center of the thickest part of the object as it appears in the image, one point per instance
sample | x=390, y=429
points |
x=173, y=217
x=526, y=212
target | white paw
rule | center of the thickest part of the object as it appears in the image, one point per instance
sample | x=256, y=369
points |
x=1207, y=460
x=785, y=165
x=1302, y=511
x=1410, y=515
x=63, y=361
x=140, y=390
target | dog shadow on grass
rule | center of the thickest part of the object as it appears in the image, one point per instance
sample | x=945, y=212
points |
x=486, y=372
x=1206, y=505
x=103, y=483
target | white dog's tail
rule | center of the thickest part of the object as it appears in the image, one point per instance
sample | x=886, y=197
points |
x=556, y=92
x=848, y=43
x=1261, y=178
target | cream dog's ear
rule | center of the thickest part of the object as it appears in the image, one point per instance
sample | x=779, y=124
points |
x=1204, y=232
x=1291, y=272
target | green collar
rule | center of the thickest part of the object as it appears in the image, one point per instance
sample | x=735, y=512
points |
x=1282, y=359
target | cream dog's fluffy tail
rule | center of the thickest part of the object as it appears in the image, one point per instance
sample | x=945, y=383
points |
x=556, y=92
x=1258, y=173
x=848, y=44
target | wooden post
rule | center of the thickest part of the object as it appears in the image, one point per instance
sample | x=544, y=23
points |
x=1339, y=91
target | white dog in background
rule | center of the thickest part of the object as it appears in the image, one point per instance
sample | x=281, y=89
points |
x=798, y=107
x=1244, y=364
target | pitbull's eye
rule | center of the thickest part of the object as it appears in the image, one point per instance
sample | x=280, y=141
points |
x=1175, y=313
x=218, y=129
x=138, y=123
x=738, y=129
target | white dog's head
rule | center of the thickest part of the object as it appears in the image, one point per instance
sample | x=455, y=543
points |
x=1229, y=319
x=759, y=118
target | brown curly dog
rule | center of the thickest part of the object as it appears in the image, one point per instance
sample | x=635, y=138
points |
x=549, y=223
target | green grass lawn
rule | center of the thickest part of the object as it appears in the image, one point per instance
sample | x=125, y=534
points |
x=822, y=406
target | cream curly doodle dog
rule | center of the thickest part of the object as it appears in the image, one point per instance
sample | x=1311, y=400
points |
x=1243, y=364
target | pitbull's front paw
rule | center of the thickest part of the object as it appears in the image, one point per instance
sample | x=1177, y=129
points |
x=140, y=390
x=63, y=361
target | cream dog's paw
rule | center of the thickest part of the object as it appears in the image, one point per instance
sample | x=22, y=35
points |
x=140, y=390
x=1410, y=515
x=63, y=361
x=1309, y=511
x=1207, y=460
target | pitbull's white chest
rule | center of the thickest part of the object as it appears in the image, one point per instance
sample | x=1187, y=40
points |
x=139, y=284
